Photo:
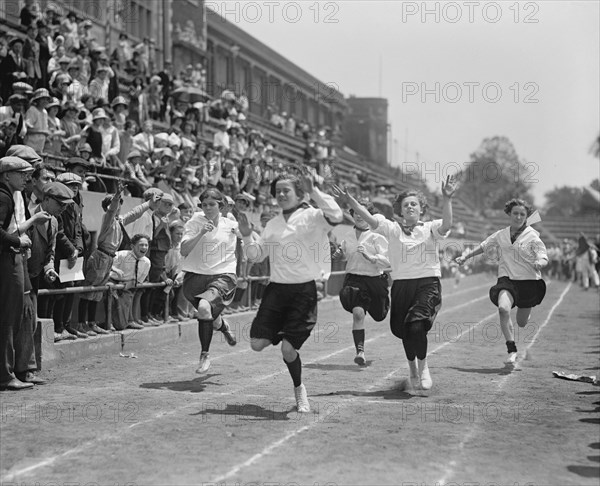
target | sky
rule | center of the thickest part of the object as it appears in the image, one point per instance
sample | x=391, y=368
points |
x=455, y=73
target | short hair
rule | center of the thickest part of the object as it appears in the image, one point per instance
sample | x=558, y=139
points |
x=184, y=205
x=107, y=200
x=294, y=180
x=368, y=205
x=137, y=237
x=517, y=202
x=37, y=173
x=213, y=193
x=176, y=224
x=410, y=193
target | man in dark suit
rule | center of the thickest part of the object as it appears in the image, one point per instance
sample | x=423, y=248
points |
x=56, y=198
x=14, y=244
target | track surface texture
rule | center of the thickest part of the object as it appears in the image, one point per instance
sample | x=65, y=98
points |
x=153, y=421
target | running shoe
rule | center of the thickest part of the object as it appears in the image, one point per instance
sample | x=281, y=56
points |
x=229, y=337
x=301, y=399
x=425, y=376
x=359, y=359
x=204, y=364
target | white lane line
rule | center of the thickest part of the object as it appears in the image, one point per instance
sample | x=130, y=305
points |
x=159, y=415
x=451, y=467
x=345, y=403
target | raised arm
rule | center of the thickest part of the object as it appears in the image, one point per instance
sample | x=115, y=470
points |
x=448, y=190
x=345, y=197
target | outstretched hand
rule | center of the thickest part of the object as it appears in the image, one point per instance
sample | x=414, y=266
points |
x=244, y=225
x=449, y=188
x=341, y=194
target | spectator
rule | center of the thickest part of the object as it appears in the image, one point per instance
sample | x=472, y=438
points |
x=14, y=241
x=99, y=85
x=29, y=13
x=43, y=39
x=98, y=265
x=36, y=120
x=13, y=67
x=31, y=53
x=131, y=268
x=56, y=133
x=71, y=128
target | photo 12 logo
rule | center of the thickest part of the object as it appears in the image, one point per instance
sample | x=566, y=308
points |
x=470, y=12
x=469, y=92
x=271, y=12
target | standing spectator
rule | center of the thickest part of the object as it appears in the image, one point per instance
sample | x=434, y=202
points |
x=56, y=133
x=123, y=52
x=126, y=139
x=97, y=267
x=99, y=85
x=44, y=56
x=138, y=106
x=13, y=67
x=159, y=246
x=31, y=53
x=40, y=266
x=29, y=13
x=69, y=30
x=36, y=120
x=13, y=244
x=71, y=128
x=166, y=80
x=143, y=65
x=77, y=89
x=130, y=267
x=154, y=97
x=74, y=230
x=15, y=112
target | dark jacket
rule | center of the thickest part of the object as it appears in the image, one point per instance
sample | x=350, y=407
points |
x=7, y=209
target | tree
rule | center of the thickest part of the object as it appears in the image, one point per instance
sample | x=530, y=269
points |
x=569, y=202
x=563, y=202
x=495, y=174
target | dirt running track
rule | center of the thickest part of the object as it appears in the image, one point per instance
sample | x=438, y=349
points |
x=152, y=420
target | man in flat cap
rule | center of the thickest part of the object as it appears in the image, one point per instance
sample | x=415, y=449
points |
x=40, y=266
x=75, y=231
x=14, y=243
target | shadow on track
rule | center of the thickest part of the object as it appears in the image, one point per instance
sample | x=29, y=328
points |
x=197, y=385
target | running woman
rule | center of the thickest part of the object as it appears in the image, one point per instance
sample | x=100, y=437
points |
x=416, y=295
x=365, y=287
x=297, y=245
x=521, y=255
x=208, y=251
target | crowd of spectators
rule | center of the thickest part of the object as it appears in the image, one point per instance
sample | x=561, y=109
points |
x=66, y=96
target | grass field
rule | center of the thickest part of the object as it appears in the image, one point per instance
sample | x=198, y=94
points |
x=152, y=420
